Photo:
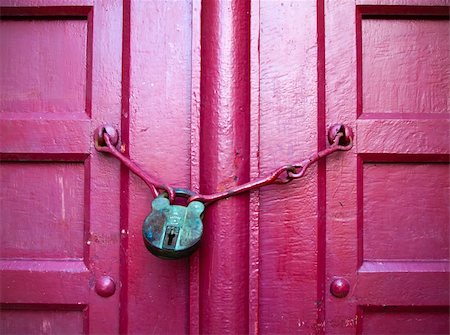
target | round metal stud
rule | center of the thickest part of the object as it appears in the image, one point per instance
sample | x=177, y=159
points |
x=105, y=286
x=340, y=288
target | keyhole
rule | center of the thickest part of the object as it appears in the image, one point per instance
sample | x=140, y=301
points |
x=171, y=236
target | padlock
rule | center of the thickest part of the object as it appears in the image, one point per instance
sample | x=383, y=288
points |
x=173, y=231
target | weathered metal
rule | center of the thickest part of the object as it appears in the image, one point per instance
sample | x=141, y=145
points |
x=173, y=231
x=231, y=90
x=340, y=287
x=99, y=139
x=105, y=144
x=286, y=173
x=340, y=137
x=105, y=286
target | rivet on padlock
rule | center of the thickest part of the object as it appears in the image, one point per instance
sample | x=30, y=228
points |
x=173, y=231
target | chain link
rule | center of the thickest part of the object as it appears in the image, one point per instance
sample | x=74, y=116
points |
x=342, y=141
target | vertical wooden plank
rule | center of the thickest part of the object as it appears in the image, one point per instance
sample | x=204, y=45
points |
x=124, y=172
x=194, y=261
x=159, y=140
x=341, y=232
x=104, y=242
x=288, y=132
x=321, y=170
x=254, y=229
x=224, y=162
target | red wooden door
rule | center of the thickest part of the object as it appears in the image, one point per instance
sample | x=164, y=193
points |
x=207, y=95
x=70, y=216
x=60, y=78
x=387, y=215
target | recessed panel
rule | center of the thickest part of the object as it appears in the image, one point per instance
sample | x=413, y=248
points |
x=405, y=65
x=392, y=320
x=42, y=210
x=406, y=211
x=43, y=65
x=30, y=322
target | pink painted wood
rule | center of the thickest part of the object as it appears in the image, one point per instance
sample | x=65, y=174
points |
x=387, y=219
x=224, y=163
x=60, y=79
x=208, y=95
x=288, y=126
x=156, y=132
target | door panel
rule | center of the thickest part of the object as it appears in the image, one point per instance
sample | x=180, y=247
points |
x=423, y=203
x=42, y=321
x=395, y=320
x=60, y=79
x=34, y=74
x=387, y=205
x=410, y=75
x=63, y=226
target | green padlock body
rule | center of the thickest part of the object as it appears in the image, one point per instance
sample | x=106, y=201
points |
x=173, y=231
x=170, y=254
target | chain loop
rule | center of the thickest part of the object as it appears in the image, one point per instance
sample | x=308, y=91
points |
x=341, y=139
x=148, y=180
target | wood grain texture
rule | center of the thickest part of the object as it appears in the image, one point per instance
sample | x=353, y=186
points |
x=157, y=115
x=421, y=227
x=409, y=320
x=254, y=205
x=34, y=75
x=288, y=131
x=405, y=77
x=403, y=2
x=60, y=80
x=41, y=321
x=387, y=201
x=194, y=261
x=224, y=163
x=207, y=95
x=58, y=210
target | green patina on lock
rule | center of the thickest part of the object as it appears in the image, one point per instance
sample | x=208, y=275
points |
x=173, y=231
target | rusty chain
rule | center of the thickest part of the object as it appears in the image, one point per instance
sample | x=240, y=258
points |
x=339, y=136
